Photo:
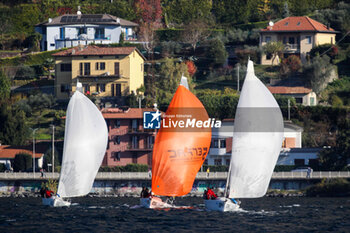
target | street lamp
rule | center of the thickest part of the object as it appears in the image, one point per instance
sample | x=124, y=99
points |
x=34, y=150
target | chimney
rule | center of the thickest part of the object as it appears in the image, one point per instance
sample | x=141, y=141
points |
x=50, y=20
x=80, y=47
x=118, y=20
x=73, y=51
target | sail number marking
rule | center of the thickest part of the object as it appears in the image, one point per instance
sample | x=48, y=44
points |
x=189, y=153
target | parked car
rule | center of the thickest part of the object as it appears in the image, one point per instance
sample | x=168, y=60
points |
x=301, y=169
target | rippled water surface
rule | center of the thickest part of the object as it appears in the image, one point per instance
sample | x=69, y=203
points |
x=124, y=215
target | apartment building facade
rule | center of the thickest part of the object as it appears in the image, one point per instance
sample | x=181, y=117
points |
x=103, y=71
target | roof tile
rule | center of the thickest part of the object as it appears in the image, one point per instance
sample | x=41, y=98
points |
x=298, y=23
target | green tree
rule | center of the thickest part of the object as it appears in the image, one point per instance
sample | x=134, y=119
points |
x=168, y=81
x=184, y=11
x=318, y=73
x=22, y=162
x=336, y=158
x=5, y=87
x=274, y=48
x=13, y=128
x=216, y=52
x=285, y=10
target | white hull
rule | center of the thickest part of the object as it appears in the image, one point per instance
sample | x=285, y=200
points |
x=221, y=204
x=154, y=203
x=55, y=202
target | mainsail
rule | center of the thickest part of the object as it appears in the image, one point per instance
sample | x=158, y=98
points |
x=179, y=152
x=85, y=143
x=257, y=139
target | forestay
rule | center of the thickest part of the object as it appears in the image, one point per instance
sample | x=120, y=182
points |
x=257, y=139
x=85, y=143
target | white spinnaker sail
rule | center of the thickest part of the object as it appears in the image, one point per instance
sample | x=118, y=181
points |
x=257, y=139
x=85, y=143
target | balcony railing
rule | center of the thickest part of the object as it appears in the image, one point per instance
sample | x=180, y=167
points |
x=83, y=74
x=83, y=37
x=291, y=47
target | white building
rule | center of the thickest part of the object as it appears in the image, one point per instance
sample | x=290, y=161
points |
x=221, y=144
x=71, y=30
x=298, y=156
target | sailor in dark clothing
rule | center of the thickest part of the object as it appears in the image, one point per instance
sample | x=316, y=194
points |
x=42, y=192
x=142, y=194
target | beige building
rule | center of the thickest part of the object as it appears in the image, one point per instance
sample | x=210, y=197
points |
x=298, y=34
x=103, y=71
x=302, y=95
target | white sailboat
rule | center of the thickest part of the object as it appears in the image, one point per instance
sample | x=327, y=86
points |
x=85, y=143
x=257, y=141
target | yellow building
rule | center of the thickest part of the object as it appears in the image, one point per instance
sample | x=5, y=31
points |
x=103, y=71
x=298, y=34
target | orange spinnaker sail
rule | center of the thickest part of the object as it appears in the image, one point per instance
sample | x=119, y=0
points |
x=179, y=152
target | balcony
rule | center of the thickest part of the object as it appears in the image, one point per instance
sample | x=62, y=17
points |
x=136, y=147
x=81, y=75
x=141, y=131
x=82, y=39
x=292, y=48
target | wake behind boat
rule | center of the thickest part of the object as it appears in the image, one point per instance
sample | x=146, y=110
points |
x=257, y=141
x=85, y=143
x=178, y=153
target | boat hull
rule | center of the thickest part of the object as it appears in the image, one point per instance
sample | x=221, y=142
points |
x=55, y=202
x=221, y=204
x=154, y=203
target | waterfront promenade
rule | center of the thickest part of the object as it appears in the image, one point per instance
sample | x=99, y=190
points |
x=200, y=176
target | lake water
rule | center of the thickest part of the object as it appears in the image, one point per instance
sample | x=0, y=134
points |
x=293, y=214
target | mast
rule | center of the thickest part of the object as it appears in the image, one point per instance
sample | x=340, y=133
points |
x=228, y=177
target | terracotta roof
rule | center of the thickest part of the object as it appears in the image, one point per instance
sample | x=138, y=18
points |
x=94, y=50
x=298, y=23
x=94, y=19
x=289, y=90
x=131, y=113
x=9, y=152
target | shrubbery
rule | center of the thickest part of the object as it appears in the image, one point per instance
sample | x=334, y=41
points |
x=330, y=188
x=127, y=168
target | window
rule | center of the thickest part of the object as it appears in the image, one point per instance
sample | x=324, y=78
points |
x=134, y=142
x=215, y=143
x=87, y=68
x=298, y=24
x=81, y=31
x=116, y=68
x=86, y=88
x=308, y=40
x=222, y=143
x=101, y=87
x=52, y=45
x=100, y=33
x=312, y=101
x=100, y=66
x=217, y=162
x=299, y=162
x=116, y=156
x=228, y=162
x=134, y=124
x=62, y=33
x=268, y=56
x=117, y=140
x=267, y=39
x=291, y=40
x=117, y=123
x=66, y=67
x=284, y=40
x=298, y=100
